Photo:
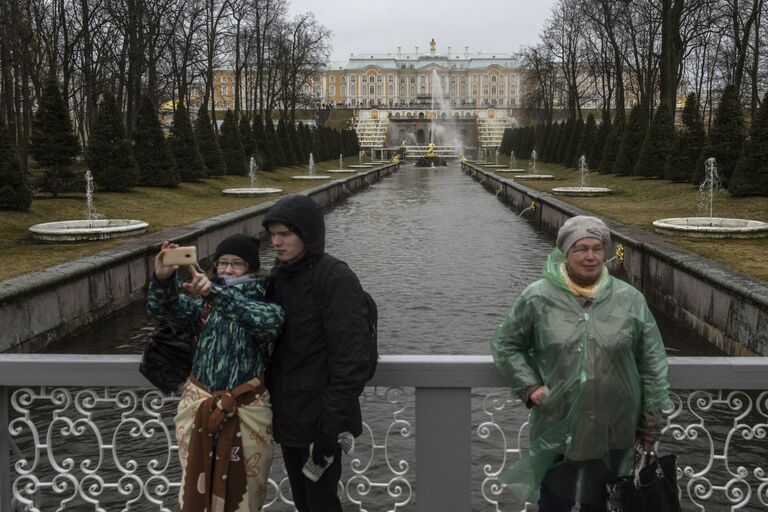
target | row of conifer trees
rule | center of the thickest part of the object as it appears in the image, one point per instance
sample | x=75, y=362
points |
x=635, y=147
x=149, y=158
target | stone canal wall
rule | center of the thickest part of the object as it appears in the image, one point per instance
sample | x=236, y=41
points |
x=41, y=307
x=725, y=307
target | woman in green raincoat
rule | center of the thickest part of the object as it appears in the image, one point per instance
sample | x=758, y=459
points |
x=582, y=350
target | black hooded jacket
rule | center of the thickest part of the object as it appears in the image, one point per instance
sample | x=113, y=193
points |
x=320, y=363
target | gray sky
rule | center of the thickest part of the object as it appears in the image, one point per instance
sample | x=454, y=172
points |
x=362, y=26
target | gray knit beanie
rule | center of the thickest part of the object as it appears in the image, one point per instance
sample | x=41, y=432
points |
x=582, y=226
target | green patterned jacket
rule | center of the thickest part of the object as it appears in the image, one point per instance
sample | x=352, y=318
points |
x=227, y=352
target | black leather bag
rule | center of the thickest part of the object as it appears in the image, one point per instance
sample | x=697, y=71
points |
x=652, y=487
x=167, y=358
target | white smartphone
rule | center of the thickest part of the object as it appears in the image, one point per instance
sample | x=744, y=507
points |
x=180, y=256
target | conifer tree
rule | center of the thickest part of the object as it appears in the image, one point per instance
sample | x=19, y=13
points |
x=596, y=151
x=53, y=142
x=631, y=142
x=588, y=135
x=301, y=140
x=689, y=144
x=246, y=138
x=14, y=189
x=153, y=156
x=726, y=136
x=550, y=149
x=208, y=144
x=293, y=138
x=285, y=143
x=750, y=178
x=278, y=156
x=543, y=140
x=565, y=139
x=263, y=150
x=612, y=144
x=186, y=153
x=231, y=147
x=657, y=144
x=569, y=160
x=110, y=156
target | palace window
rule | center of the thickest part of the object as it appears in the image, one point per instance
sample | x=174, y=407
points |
x=333, y=79
x=442, y=80
x=332, y=90
x=463, y=90
x=371, y=91
x=319, y=90
x=343, y=90
x=413, y=79
x=485, y=90
x=352, y=78
x=402, y=79
x=501, y=90
x=379, y=78
x=413, y=90
x=493, y=78
x=474, y=91
x=379, y=90
x=391, y=90
x=390, y=79
x=343, y=79
x=493, y=90
x=352, y=90
x=485, y=79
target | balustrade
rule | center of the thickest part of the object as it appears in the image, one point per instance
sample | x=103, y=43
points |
x=83, y=432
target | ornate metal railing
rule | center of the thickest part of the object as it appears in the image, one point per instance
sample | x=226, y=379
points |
x=83, y=433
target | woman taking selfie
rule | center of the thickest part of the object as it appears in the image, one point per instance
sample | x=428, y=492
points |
x=224, y=418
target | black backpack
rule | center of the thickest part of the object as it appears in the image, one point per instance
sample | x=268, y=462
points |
x=320, y=271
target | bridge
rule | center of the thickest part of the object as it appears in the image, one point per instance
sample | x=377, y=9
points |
x=84, y=432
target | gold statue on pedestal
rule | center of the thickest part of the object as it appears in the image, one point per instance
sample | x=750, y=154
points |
x=431, y=149
x=432, y=45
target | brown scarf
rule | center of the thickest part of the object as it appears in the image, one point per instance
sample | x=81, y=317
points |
x=216, y=420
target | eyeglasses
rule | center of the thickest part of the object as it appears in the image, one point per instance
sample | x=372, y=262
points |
x=236, y=265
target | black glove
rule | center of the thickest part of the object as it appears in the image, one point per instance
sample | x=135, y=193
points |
x=324, y=446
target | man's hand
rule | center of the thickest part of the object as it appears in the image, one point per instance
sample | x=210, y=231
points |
x=324, y=448
x=200, y=285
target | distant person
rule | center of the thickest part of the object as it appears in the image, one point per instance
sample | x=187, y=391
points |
x=224, y=407
x=321, y=360
x=582, y=350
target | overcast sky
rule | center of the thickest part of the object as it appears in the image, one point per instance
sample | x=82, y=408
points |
x=375, y=26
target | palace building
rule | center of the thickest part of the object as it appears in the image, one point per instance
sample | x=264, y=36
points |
x=476, y=92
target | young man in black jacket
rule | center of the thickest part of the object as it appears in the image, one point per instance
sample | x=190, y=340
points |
x=321, y=361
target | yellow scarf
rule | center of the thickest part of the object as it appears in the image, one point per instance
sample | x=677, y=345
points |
x=589, y=292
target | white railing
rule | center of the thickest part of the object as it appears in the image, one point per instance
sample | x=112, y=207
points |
x=84, y=433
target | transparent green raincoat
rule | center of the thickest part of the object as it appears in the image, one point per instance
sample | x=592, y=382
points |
x=602, y=364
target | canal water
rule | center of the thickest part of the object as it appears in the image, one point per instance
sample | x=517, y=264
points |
x=444, y=259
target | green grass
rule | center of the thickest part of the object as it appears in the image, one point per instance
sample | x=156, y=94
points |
x=640, y=201
x=160, y=207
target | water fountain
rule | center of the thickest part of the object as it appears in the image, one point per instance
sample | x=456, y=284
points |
x=711, y=226
x=430, y=158
x=341, y=168
x=496, y=164
x=512, y=166
x=311, y=175
x=251, y=191
x=360, y=164
x=88, y=229
x=534, y=175
x=582, y=189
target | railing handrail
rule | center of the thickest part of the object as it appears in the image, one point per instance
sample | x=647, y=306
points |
x=429, y=371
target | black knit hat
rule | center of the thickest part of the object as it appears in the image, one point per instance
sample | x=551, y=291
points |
x=247, y=247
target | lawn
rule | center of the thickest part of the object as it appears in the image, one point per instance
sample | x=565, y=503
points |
x=160, y=207
x=639, y=201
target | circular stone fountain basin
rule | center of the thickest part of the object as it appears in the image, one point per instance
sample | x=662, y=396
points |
x=340, y=171
x=582, y=191
x=308, y=177
x=535, y=177
x=86, y=230
x=250, y=192
x=507, y=169
x=361, y=166
x=495, y=166
x=711, y=227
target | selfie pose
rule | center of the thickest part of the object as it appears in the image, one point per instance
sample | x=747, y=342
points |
x=224, y=418
x=582, y=350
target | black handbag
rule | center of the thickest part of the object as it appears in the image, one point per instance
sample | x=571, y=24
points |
x=651, y=487
x=167, y=358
